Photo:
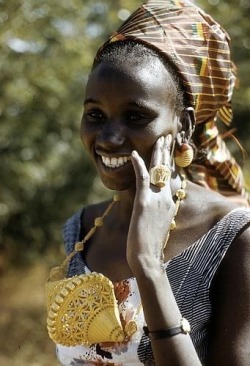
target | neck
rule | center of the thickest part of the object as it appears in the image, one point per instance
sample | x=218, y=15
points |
x=123, y=209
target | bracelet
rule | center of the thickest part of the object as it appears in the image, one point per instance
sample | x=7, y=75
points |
x=184, y=328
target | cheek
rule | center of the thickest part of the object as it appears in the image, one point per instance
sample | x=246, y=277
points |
x=145, y=145
x=87, y=135
x=153, y=133
x=84, y=136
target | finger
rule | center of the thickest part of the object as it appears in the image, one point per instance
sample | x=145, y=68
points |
x=165, y=173
x=156, y=157
x=166, y=158
x=166, y=153
x=141, y=173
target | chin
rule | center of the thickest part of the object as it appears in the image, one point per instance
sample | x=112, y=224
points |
x=118, y=186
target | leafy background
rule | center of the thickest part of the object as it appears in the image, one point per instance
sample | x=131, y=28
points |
x=46, y=52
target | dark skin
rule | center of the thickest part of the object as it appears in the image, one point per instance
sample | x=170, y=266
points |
x=128, y=113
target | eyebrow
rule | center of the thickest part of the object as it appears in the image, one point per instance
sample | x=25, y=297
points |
x=91, y=100
x=137, y=104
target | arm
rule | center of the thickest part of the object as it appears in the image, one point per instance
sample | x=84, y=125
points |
x=147, y=234
x=230, y=331
x=162, y=312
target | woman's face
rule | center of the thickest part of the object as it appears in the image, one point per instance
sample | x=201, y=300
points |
x=126, y=108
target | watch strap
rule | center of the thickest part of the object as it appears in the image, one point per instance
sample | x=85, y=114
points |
x=183, y=327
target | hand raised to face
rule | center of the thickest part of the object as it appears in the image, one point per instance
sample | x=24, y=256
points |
x=161, y=157
x=153, y=210
x=160, y=167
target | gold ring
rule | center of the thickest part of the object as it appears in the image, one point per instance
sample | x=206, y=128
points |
x=159, y=175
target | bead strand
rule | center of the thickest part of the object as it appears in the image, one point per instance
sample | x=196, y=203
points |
x=57, y=272
x=180, y=194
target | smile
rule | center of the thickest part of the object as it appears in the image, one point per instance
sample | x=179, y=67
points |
x=114, y=162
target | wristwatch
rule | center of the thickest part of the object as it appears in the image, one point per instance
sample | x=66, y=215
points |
x=184, y=328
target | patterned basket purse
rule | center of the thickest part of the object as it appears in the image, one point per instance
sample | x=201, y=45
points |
x=83, y=310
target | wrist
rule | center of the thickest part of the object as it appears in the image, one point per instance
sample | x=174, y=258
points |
x=182, y=328
x=145, y=267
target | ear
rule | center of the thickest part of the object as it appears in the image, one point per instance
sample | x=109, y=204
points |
x=187, y=122
x=184, y=152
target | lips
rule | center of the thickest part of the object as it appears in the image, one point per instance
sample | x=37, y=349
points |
x=114, y=162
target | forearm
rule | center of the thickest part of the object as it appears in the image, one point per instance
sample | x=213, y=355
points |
x=161, y=312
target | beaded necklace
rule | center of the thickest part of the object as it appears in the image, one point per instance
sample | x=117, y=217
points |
x=79, y=306
x=180, y=194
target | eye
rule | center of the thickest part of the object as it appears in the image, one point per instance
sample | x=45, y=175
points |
x=94, y=115
x=137, y=118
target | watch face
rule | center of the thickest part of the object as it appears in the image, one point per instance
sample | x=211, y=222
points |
x=185, y=326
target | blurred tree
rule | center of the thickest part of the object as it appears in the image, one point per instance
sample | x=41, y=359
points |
x=46, y=52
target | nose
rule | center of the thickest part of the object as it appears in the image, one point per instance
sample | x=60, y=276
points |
x=111, y=136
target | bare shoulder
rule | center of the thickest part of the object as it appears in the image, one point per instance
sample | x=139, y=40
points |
x=200, y=212
x=208, y=206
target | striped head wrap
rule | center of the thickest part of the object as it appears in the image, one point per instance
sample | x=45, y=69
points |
x=198, y=47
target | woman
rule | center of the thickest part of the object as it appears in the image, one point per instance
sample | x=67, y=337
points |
x=176, y=251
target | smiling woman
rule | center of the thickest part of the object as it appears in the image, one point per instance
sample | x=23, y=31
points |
x=118, y=120
x=151, y=273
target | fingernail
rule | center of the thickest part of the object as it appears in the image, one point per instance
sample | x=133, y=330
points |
x=160, y=140
x=169, y=139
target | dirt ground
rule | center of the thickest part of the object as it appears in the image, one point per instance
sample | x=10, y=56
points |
x=23, y=336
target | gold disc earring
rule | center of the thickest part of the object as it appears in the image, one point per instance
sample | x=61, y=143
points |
x=184, y=156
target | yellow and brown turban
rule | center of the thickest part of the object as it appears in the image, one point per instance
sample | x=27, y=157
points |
x=199, y=49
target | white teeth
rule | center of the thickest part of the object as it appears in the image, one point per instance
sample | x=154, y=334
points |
x=106, y=160
x=114, y=162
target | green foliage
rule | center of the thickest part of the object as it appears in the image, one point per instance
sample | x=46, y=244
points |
x=47, y=49
x=46, y=52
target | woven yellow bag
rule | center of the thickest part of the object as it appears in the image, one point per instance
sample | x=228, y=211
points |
x=83, y=310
